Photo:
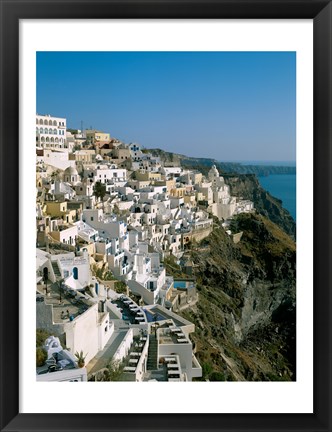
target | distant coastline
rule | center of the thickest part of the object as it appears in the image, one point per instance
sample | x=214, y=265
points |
x=264, y=163
x=261, y=169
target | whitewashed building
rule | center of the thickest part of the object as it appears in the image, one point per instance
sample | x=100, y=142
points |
x=50, y=131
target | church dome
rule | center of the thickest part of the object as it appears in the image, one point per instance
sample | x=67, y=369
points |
x=213, y=172
x=71, y=171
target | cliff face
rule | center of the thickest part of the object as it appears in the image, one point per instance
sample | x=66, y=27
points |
x=245, y=317
x=248, y=187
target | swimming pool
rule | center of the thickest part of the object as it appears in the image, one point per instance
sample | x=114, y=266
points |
x=180, y=284
x=154, y=317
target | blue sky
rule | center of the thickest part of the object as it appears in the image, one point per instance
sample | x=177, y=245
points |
x=223, y=105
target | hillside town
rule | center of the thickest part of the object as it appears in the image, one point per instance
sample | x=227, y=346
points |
x=108, y=216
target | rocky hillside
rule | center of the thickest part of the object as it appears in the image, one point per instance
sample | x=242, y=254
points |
x=245, y=317
x=247, y=186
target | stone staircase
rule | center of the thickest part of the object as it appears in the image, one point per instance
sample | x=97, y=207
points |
x=56, y=269
x=152, y=353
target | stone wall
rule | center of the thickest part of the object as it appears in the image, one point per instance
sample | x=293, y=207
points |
x=200, y=234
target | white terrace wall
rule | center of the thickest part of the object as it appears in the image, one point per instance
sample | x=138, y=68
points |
x=137, y=288
x=44, y=319
x=124, y=346
x=184, y=351
x=141, y=365
x=82, y=333
x=71, y=375
x=106, y=328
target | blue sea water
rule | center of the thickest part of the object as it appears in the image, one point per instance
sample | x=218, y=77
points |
x=269, y=163
x=282, y=186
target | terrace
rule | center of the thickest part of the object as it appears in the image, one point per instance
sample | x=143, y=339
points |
x=132, y=360
x=103, y=357
x=59, y=361
x=163, y=314
x=66, y=305
x=171, y=335
x=130, y=311
x=169, y=369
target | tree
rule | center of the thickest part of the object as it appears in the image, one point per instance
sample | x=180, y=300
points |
x=41, y=336
x=41, y=354
x=114, y=371
x=55, y=176
x=99, y=190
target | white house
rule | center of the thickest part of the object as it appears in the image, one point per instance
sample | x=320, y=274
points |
x=51, y=131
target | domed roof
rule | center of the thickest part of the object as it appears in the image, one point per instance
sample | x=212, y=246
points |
x=214, y=170
x=71, y=170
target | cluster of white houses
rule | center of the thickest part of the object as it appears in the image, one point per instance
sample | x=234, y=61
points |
x=86, y=242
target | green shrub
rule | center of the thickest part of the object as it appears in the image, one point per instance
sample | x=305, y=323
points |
x=206, y=369
x=41, y=336
x=41, y=357
x=217, y=376
x=120, y=287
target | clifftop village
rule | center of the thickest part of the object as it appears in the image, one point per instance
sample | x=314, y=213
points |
x=107, y=216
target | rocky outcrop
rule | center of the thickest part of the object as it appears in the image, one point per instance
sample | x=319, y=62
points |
x=245, y=316
x=247, y=186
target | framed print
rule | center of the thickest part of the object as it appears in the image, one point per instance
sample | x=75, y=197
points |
x=177, y=200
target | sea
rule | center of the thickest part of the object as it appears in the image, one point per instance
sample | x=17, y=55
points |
x=282, y=186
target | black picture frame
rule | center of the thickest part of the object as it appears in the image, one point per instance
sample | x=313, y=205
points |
x=14, y=10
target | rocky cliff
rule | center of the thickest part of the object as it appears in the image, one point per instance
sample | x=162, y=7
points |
x=245, y=317
x=247, y=186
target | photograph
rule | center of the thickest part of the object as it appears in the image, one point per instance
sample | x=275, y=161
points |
x=165, y=216
x=165, y=209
